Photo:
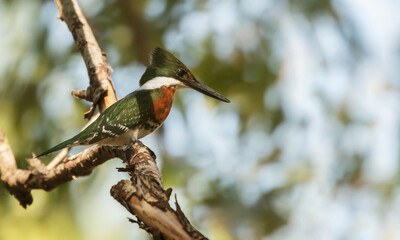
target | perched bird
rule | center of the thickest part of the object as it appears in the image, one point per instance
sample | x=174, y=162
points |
x=144, y=110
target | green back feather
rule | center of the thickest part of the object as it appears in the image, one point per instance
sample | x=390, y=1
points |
x=123, y=115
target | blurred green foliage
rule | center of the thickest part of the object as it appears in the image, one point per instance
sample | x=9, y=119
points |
x=232, y=46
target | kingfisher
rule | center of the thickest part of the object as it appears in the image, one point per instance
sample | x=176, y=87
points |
x=144, y=110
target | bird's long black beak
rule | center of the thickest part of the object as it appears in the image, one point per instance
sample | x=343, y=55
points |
x=198, y=86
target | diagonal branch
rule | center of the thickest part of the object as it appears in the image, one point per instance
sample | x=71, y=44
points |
x=144, y=195
x=21, y=182
x=101, y=90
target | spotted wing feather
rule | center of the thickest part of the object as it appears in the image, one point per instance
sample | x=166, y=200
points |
x=114, y=121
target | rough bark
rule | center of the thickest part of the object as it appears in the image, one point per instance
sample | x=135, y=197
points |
x=143, y=195
x=101, y=91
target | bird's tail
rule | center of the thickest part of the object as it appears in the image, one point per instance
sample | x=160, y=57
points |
x=68, y=143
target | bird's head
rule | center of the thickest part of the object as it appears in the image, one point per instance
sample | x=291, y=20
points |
x=166, y=70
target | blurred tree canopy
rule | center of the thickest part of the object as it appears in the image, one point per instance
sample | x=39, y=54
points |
x=308, y=148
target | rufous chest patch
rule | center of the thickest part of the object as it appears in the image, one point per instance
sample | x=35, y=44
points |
x=163, y=105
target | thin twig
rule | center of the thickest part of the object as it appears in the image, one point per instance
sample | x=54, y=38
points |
x=64, y=152
x=60, y=157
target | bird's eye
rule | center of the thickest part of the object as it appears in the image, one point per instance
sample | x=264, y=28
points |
x=180, y=72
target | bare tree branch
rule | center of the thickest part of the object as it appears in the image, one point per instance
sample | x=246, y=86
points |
x=8, y=169
x=20, y=182
x=101, y=90
x=144, y=195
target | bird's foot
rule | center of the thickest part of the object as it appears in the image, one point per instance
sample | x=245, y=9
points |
x=130, y=144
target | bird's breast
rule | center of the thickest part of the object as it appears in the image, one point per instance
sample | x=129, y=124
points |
x=162, y=104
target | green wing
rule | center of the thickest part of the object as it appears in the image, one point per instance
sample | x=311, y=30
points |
x=123, y=115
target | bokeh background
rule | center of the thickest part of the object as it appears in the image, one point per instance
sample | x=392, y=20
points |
x=308, y=148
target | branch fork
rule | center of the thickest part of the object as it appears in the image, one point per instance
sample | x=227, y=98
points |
x=143, y=195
